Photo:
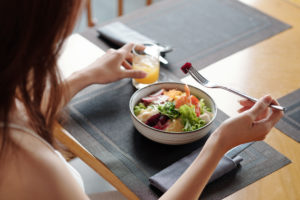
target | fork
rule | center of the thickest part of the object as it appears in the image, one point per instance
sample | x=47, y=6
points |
x=203, y=81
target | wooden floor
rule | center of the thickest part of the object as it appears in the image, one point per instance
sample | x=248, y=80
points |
x=269, y=67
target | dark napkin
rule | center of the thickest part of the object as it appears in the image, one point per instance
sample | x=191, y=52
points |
x=119, y=34
x=164, y=179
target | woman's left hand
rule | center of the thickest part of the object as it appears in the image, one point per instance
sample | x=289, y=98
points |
x=107, y=68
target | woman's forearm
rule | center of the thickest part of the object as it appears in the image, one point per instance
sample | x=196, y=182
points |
x=194, y=179
x=71, y=86
x=106, y=69
x=75, y=83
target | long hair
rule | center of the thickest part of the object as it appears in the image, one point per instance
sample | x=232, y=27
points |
x=31, y=35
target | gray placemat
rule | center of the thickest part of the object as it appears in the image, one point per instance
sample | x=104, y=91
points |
x=99, y=118
x=202, y=32
x=290, y=123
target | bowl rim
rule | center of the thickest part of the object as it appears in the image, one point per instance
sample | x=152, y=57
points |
x=168, y=132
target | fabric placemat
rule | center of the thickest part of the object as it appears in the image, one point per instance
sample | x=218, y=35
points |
x=290, y=122
x=99, y=118
x=202, y=32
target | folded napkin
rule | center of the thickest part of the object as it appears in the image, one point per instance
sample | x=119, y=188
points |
x=119, y=34
x=164, y=179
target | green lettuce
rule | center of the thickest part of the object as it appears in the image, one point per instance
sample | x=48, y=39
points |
x=189, y=118
x=203, y=106
x=169, y=110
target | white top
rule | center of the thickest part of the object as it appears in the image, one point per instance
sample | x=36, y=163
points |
x=73, y=171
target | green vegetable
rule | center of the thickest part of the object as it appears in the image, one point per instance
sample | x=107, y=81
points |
x=203, y=106
x=189, y=118
x=169, y=110
x=138, y=108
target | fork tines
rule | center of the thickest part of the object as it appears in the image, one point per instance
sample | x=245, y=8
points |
x=195, y=74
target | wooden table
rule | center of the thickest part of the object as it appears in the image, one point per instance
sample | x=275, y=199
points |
x=273, y=66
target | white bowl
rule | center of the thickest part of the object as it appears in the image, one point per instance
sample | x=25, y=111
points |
x=164, y=137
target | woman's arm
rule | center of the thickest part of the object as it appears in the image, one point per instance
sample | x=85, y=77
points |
x=252, y=125
x=106, y=69
x=194, y=179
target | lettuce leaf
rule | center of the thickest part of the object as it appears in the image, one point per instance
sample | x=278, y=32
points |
x=169, y=110
x=203, y=106
x=189, y=118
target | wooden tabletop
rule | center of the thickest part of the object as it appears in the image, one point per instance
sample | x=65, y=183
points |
x=273, y=66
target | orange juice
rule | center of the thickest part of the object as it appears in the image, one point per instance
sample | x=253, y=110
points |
x=149, y=65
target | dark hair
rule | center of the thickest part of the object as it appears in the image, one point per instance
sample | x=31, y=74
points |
x=31, y=36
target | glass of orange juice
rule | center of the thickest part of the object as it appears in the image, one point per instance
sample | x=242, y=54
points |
x=147, y=62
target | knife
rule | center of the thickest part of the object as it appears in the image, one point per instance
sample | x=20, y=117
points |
x=161, y=59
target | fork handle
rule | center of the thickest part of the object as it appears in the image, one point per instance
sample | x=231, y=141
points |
x=250, y=98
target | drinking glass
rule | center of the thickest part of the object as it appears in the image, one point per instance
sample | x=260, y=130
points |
x=146, y=60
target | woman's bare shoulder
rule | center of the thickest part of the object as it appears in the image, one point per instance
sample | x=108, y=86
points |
x=32, y=170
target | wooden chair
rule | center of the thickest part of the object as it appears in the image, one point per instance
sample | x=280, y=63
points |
x=91, y=23
x=120, y=6
x=67, y=139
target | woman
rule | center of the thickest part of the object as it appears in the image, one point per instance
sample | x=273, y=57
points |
x=32, y=93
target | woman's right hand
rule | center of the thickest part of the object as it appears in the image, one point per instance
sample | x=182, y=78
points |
x=253, y=124
x=107, y=68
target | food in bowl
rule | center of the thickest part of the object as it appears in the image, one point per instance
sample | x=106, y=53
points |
x=173, y=110
x=167, y=137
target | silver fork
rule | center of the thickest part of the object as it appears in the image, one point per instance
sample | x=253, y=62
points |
x=203, y=81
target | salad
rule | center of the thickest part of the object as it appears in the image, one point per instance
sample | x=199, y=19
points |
x=173, y=110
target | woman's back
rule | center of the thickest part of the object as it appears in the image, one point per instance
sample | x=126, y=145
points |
x=31, y=169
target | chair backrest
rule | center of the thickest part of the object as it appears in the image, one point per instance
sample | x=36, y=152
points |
x=90, y=20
